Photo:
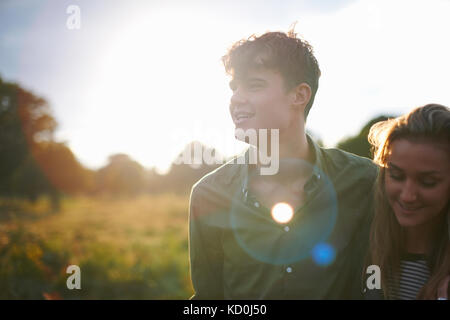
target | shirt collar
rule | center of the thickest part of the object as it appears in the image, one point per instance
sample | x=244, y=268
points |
x=311, y=184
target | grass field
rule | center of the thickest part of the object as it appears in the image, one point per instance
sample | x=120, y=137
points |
x=126, y=248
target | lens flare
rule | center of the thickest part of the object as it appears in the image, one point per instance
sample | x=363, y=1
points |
x=282, y=212
x=323, y=254
x=295, y=232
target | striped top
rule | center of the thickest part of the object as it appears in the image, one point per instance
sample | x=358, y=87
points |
x=414, y=273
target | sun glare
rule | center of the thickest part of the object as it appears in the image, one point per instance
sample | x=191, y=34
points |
x=160, y=77
x=282, y=212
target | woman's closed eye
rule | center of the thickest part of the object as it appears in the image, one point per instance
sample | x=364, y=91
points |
x=425, y=182
x=394, y=174
x=429, y=183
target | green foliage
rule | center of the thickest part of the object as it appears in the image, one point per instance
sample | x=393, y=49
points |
x=122, y=175
x=31, y=162
x=29, y=267
x=359, y=144
x=126, y=249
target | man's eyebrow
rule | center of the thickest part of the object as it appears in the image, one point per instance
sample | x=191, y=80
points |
x=234, y=81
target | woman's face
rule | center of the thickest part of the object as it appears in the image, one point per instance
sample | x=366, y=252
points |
x=417, y=181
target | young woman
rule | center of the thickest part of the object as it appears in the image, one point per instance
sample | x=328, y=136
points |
x=409, y=237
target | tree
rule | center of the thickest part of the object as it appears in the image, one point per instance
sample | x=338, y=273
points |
x=359, y=144
x=121, y=176
x=25, y=119
x=31, y=162
x=182, y=176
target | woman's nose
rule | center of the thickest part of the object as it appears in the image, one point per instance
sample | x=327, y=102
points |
x=409, y=192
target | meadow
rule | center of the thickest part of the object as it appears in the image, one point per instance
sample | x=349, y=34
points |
x=126, y=248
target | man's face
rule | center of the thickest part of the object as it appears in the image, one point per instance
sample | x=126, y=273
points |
x=260, y=101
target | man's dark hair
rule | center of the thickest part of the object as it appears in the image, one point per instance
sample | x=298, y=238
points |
x=278, y=51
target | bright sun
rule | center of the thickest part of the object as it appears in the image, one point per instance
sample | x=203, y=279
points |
x=158, y=80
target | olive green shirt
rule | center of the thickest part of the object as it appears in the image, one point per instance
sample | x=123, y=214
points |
x=238, y=251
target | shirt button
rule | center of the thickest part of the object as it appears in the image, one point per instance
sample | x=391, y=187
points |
x=257, y=204
x=286, y=228
x=288, y=269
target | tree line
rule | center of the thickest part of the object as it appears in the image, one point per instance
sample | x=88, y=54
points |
x=33, y=164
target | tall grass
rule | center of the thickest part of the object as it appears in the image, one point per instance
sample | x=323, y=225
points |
x=129, y=248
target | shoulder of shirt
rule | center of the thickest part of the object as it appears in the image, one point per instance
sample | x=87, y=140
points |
x=219, y=178
x=337, y=160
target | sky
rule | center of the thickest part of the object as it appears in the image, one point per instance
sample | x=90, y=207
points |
x=145, y=77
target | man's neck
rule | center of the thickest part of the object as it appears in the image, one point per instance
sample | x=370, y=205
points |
x=289, y=148
x=287, y=185
x=293, y=147
x=297, y=148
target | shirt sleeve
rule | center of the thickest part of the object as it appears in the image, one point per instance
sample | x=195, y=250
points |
x=205, y=250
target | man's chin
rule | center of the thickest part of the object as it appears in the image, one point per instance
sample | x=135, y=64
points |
x=246, y=134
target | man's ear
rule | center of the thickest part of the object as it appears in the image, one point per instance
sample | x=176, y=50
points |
x=301, y=96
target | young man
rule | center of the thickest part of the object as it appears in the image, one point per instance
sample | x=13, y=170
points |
x=242, y=243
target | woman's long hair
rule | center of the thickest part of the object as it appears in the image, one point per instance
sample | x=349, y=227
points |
x=428, y=124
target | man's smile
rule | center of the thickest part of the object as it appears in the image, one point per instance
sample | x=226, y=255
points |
x=241, y=116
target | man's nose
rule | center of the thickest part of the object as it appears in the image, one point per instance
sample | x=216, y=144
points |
x=238, y=97
x=409, y=191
